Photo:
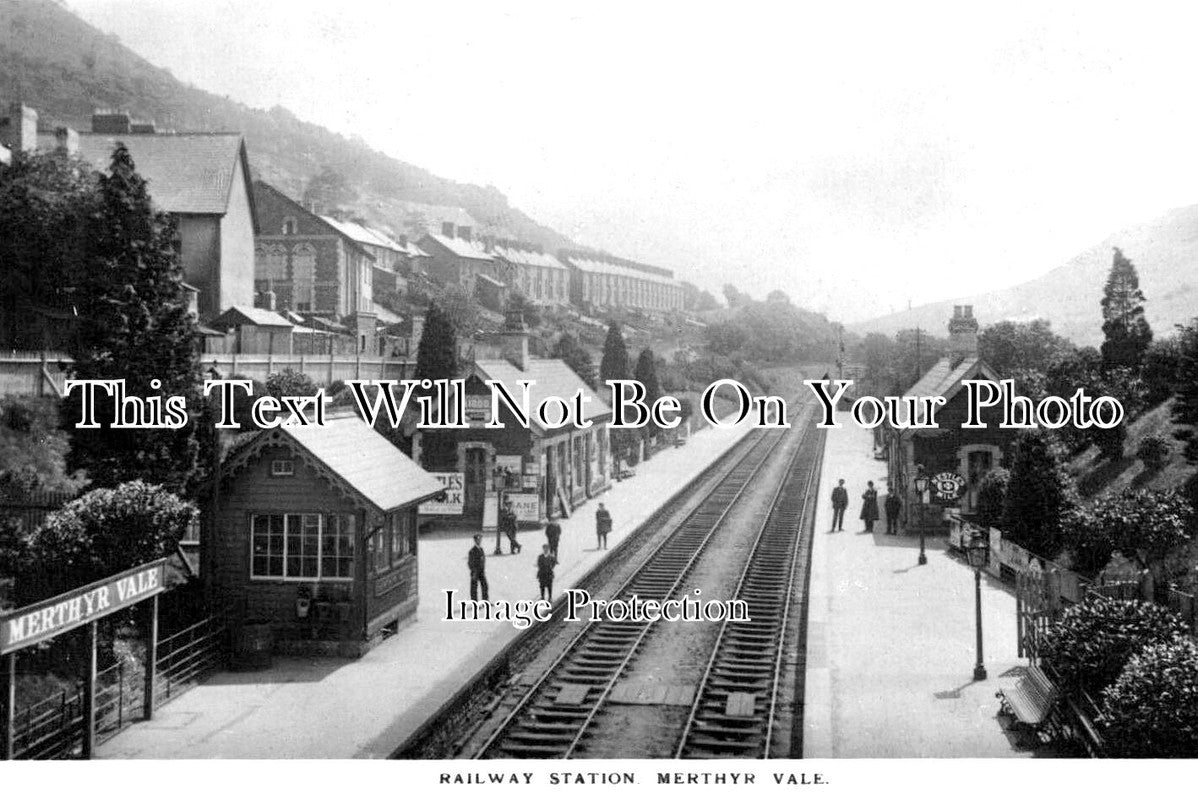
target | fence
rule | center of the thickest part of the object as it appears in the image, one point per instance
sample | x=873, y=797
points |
x=27, y=374
x=53, y=728
x=30, y=509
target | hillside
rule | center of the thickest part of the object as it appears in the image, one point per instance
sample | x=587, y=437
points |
x=65, y=68
x=1165, y=252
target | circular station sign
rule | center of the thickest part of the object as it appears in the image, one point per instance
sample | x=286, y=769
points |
x=947, y=485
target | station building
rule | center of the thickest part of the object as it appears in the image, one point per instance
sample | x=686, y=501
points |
x=969, y=452
x=546, y=473
x=316, y=534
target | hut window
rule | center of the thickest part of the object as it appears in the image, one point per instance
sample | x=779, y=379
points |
x=302, y=546
x=282, y=467
x=401, y=540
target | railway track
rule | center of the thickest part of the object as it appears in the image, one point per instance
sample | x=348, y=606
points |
x=735, y=711
x=554, y=714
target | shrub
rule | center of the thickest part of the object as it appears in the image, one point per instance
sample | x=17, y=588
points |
x=1153, y=451
x=1091, y=642
x=1145, y=523
x=1151, y=711
x=103, y=532
x=992, y=493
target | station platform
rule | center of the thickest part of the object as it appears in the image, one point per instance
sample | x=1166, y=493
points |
x=315, y=707
x=890, y=643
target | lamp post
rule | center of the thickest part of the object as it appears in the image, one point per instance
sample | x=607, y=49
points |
x=978, y=553
x=921, y=485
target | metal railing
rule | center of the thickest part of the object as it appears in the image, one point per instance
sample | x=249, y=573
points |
x=53, y=728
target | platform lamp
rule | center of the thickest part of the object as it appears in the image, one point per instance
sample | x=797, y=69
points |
x=978, y=554
x=921, y=486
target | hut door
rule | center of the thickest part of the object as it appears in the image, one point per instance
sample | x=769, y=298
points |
x=476, y=481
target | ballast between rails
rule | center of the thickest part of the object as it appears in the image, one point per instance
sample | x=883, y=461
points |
x=749, y=655
x=599, y=654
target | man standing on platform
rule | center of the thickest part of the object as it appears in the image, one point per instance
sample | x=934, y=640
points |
x=507, y=522
x=553, y=534
x=602, y=526
x=840, y=501
x=476, y=560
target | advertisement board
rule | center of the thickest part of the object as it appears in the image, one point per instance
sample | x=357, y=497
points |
x=526, y=505
x=455, y=500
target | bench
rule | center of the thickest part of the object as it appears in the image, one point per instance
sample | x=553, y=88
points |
x=1031, y=699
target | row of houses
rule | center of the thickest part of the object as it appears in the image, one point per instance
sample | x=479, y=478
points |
x=245, y=244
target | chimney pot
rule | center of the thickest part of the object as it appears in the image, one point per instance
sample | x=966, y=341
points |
x=66, y=139
x=464, y=232
x=18, y=131
x=447, y=230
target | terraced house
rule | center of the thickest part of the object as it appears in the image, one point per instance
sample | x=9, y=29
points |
x=599, y=282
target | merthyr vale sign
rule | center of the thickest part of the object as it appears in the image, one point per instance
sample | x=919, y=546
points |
x=49, y=618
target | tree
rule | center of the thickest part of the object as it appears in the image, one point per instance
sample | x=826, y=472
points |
x=734, y=296
x=1150, y=711
x=1039, y=496
x=437, y=352
x=328, y=191
x=1160, y=370
x=614, y=364
x=461, y=310
x=134, y=324
x=577, y=357
x=33, y=449
x=517, y=302
x=1143, y=523
x=1124, y=328
x=46, y=200
x=646, y=374
x=290, y=383
x=1009, y=346
x=104, y=532
x=1185, y=407
x=992, y=495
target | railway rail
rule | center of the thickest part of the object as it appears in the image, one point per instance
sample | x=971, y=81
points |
x=735, y=712
x=552, y=717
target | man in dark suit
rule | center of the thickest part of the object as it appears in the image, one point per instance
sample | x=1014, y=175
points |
x=553, y=535
x=893, y=506
x=602, y=525
x=840, y=501
x=476, y=560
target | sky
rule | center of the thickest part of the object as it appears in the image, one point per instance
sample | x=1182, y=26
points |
x=858, y=156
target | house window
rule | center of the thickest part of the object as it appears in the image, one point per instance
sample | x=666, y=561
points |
x=289, y=226
x=379, y=545
x=280, y=468
x=271, y=263
x=302, y=546
x=401, y=536
x=303, y=267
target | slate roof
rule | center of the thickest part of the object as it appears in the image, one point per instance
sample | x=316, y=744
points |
x=363, y=234
x=530, y=258
x=364, y=459
x=350, y=452
x=944, y=378
x=241, y=315
x=463, y=248
x=186, y=173
x=552, y=378
x=599, y=265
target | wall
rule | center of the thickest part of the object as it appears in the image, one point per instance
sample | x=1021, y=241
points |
x=200, y=254
x=237, y=246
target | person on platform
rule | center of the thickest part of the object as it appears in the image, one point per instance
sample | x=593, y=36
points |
x=869, y=507
x=602, y=526
x=545, y=564
x=476, y=560
x=893, y=506
x=840, y=501
x=507, y=521
x=553, y=535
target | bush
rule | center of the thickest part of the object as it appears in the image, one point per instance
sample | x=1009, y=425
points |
x=1151, y=711
x=1091, y=642
x=992, y=493
x=1145, y=523
x=103, y=532
x=1153, y=451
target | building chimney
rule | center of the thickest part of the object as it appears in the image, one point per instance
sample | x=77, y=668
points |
x=18, y=131
x=109, y=121
x=513, y=340
x=962, y=334
x=464, y=232
x=447, y=230
x=66, y=140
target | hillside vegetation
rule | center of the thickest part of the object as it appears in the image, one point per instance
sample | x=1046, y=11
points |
x=1164, y=251
x=57, y=63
